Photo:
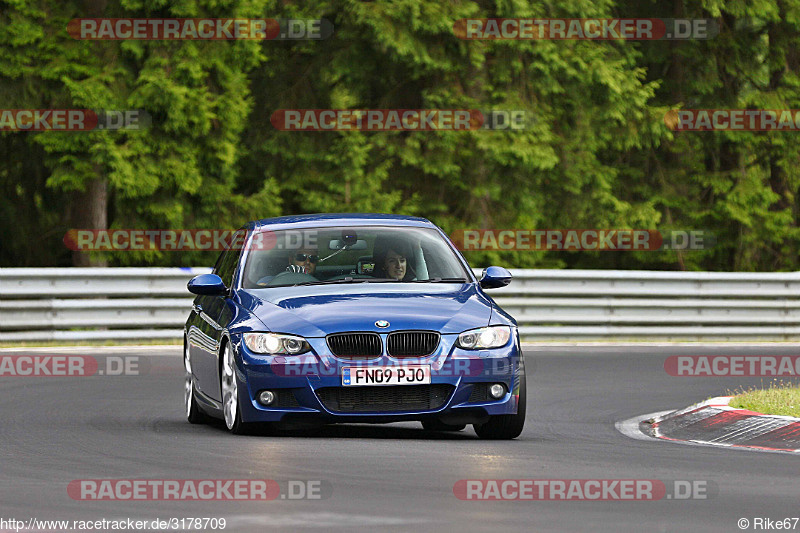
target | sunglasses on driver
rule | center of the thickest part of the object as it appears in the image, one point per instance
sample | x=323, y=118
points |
x=300, y=258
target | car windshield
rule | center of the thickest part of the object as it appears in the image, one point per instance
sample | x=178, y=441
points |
x=362, y=254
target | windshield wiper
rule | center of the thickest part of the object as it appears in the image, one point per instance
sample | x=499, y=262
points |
x=329, y=282
x=437, y=280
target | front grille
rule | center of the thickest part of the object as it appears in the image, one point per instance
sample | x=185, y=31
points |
x=390, y=398
x=412, y=343
x=355, y=345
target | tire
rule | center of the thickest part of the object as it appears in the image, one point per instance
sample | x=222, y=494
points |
x=193, y=413
x=504, y=427
x=438, y=425
x=229, y=385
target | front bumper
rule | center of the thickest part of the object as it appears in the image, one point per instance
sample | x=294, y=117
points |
x=306, y=385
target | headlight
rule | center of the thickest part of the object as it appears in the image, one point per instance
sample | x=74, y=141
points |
x=491, y=337
x=273, y=343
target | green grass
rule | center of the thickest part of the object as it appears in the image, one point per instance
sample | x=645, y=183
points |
x=779, y=398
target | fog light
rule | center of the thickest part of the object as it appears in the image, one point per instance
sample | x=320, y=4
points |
x=266, y=397
x=497, y=391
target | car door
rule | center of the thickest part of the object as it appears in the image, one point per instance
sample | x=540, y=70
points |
x=215, y=314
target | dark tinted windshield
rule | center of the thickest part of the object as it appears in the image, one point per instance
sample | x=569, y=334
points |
x=350, y=255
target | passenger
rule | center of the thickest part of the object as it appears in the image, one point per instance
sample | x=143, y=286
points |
x=391, y=258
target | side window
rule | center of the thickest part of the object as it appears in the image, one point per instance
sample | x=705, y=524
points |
x=226, y=264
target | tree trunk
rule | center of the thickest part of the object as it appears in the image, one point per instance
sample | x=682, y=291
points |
x=89, y=210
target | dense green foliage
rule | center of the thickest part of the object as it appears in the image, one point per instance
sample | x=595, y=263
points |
x=598, y=155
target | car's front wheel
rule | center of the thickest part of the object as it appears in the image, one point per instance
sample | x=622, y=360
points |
x=505, y=426
x=230, y=393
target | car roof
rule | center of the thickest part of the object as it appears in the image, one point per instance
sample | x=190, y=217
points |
x=321, y=220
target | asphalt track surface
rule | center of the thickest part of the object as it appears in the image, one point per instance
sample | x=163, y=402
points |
x=393, y=477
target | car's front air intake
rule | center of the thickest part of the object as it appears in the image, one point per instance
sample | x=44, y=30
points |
x=391, y=398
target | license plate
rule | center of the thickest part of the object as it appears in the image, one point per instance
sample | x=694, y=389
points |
x=386, y=375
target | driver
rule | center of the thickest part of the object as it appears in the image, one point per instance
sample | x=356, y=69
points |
x=303, y=261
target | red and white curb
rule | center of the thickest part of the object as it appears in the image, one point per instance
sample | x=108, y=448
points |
x=715, y=423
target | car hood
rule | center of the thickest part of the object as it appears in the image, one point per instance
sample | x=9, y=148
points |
x=316, y=311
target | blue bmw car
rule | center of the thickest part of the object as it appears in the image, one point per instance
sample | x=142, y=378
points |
x=351, y=318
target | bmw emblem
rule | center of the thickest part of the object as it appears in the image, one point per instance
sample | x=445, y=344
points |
x=382, y=324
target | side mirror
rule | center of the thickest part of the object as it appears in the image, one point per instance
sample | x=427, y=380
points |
x=495, y=277
x=207, y=285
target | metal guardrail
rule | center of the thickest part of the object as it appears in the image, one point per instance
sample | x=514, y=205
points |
x=71, y=304
x=43, y=304
x=647, y=305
